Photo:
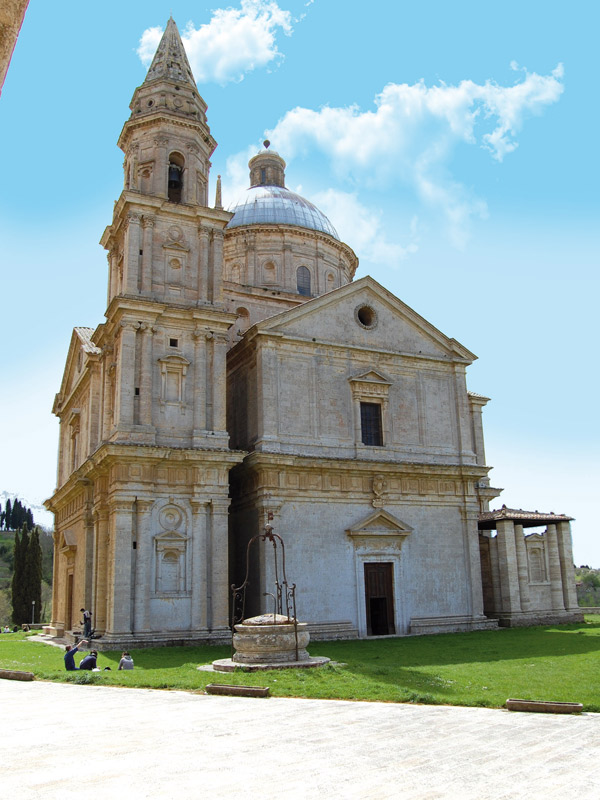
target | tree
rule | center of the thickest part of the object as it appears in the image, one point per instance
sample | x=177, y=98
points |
x=33, y=577
x=20, y=553
x=27, y=577
x=8, y=516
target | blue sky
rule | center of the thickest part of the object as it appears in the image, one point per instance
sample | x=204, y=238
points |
x=451, y=145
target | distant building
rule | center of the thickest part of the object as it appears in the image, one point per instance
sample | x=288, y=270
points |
x=242, y=375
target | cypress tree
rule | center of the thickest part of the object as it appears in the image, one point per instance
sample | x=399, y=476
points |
x=17, y=580
x=7, y=519
x=29, y=519
x=20, y=590
x=33, y=578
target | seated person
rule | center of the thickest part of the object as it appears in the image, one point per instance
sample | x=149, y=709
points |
x=89, y=662
x=70, y=655
x=126, y=661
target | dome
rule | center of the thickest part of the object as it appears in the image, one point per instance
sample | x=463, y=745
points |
x=276, y=205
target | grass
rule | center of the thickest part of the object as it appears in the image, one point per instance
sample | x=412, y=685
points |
x=471, y=669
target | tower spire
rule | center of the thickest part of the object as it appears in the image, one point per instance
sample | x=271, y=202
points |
x=170, y=60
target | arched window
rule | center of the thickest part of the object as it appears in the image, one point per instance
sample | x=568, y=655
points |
x=303, y=281
x=243, y=319
x=175, y=183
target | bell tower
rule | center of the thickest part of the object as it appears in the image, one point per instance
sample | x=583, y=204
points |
x=166, y=322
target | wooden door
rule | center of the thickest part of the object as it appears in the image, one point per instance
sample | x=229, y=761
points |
x=379, y=598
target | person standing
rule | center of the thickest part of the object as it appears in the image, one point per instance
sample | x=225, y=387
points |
x=70, y=655
x=87, y=623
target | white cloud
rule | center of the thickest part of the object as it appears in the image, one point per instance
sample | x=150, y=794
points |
x=412, y=132
x=363, y=227
x=234, y=42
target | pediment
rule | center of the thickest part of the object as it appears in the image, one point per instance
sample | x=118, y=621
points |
x=81, y=348
x=390, y=325
x=371, y=376
x=68, y=541
x=534, y=537
x=380, y=524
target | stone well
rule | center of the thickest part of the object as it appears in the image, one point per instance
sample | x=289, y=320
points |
x=269, y=642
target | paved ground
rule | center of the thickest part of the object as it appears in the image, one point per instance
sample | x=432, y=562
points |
x=101, y=742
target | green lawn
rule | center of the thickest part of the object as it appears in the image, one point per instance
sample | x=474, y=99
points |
x=470, y=669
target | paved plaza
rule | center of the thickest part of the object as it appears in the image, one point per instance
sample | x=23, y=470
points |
x=103, y=742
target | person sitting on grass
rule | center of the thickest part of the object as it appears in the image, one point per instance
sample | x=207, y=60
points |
x=89, y=662
x=70, y=655
x=126, y=661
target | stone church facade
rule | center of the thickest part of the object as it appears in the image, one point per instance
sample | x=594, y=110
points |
x=243, y=376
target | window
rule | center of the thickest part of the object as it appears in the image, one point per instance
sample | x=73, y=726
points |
x=173, y=342
x=175, y=183
x=303, y=281
x=370, y=424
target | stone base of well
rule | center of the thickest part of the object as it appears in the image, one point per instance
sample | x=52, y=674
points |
x=269, y=641
x=228, y=665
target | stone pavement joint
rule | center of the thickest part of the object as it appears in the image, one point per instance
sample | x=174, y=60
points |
x=148, y=743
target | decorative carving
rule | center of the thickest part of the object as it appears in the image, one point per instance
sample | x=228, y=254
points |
x=148, y=221
x=380, y=487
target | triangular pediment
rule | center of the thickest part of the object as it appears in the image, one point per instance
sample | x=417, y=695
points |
x=364, y=314
x=81, y=349
x=380, y=524
x=371, y=376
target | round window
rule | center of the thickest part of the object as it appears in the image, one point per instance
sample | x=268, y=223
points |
x=366, y=316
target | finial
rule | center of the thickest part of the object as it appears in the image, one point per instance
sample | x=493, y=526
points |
x=218, y=203
x=267, y=143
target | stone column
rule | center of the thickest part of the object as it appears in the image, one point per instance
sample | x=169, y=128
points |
x=219, y=378
x=126, y=375
x=143, y=566
x=113, y=278
x=120, y=588
x=203, y=263
x=565, y=553
x=161, y=168
x=476, y=406
x=101, y=571
x=88, y=521
x=495, y=570
x=199, y=393
x=507, y=562
x=556, y=587
x=522, y=568
x=200, y=566
x=55, y=579
x=219, y=570
x=217, y=267
x=473, y=557
x=132, y=254
x=148, y=236
x=146, y=374
x=286, y=280
x=267, y=400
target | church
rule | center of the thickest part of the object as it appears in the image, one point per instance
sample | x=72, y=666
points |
x=242, y=377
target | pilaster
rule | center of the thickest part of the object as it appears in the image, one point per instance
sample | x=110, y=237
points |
x=126, y=367
x=219, y=557
x=143, y=566
x=200, y=565
x=522, y=568
x=148, y=237
x=102, y=568
x=509, y=575
x=565, y=552
x=556, y=586
x=200, y=342
x=120, y=589
x=132, y=251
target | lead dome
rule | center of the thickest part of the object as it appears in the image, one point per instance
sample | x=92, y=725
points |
x=268, y=202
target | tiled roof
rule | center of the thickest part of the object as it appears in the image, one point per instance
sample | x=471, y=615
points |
x=85, y=335
x=478, y=396
x=528, y=519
